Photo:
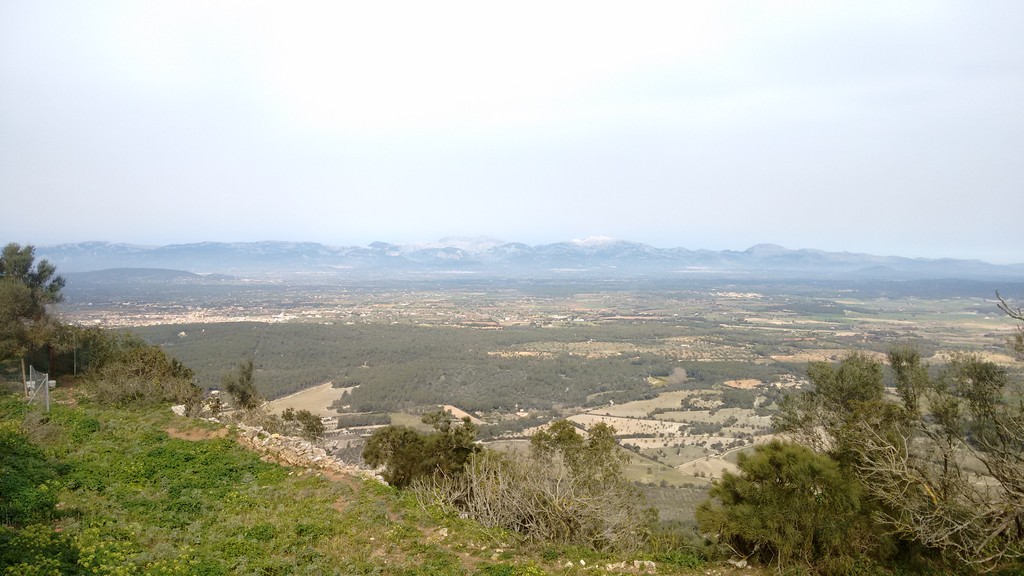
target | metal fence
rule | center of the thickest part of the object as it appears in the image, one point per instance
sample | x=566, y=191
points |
x=37, y=387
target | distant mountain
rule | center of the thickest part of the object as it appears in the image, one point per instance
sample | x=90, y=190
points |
x=146, y=276
x=487, y=257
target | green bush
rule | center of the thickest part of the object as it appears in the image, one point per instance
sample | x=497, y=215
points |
x=37, y=549
x=239, y=385
x=310, y=426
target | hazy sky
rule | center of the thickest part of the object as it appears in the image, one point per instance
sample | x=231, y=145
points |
x=886, y=127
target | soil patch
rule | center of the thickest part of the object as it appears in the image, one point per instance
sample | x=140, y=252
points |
x=460, y=414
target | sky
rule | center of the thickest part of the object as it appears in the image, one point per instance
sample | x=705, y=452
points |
x=889, y=127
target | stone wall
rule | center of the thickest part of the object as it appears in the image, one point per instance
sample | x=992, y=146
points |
x=292, y=451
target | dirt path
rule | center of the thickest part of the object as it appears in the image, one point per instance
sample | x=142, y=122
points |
x=715, y=464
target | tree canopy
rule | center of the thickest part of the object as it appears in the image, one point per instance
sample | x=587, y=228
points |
x=239, y=385
x=27, y=289
x=947, y=462
x=931, y=468
x=788, y=504
x=408, y=454
x=941, y=458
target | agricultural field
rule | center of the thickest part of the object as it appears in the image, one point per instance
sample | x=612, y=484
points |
x=316, y=400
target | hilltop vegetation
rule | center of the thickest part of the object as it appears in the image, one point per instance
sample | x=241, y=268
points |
x=166, y=505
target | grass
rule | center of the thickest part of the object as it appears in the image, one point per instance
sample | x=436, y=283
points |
x=118, y=495
x=414, y=421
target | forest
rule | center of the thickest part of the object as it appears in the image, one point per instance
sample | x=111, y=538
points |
x=401, y=367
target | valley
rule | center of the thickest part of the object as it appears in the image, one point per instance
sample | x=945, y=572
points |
x=688, y=374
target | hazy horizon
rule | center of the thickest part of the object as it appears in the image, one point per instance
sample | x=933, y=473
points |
x=875, y=127
x=471, y=243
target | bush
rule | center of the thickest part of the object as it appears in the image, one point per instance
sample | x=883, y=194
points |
x=941, y=461
x=128, y=371
x=37, y=549
x=567, y=490
x=241, y=388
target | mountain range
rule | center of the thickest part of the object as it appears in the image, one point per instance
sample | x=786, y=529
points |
x=485, y=257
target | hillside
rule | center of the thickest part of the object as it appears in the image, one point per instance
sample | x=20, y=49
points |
x=94, y=490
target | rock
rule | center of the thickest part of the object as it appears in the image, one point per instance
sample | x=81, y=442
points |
x=645, y=566
x=738, y=562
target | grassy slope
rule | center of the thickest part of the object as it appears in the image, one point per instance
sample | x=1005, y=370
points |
x=132, y=499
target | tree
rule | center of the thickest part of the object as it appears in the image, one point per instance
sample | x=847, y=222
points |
x=842, y=395
x=1017, y=313
x=27, y=289
x=407, y=454
x=596, y=458
x=788, y=504
x=239, y=385
x=948, y=463
x=943, y=460
x=311, y=427
x=398, y=449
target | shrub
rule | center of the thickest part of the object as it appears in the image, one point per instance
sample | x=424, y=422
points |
x=240, y=387
x=568, y=490
x=128, y=371
x=37, y=549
